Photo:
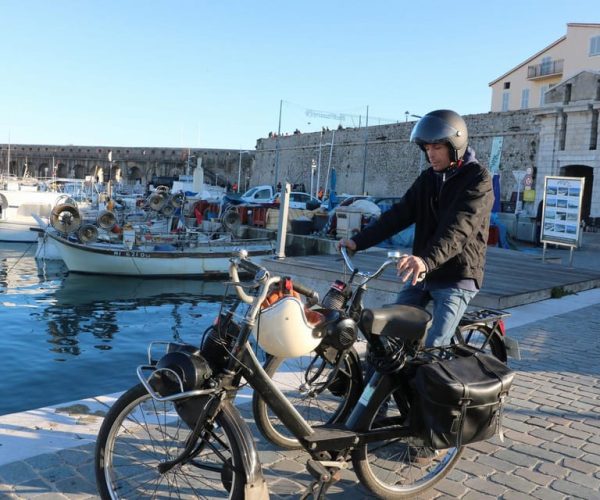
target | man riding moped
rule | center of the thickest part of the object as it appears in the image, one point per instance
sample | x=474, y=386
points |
x=449, y=204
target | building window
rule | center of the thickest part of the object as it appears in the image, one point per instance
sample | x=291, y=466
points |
x=505, y=98
x=506, y=85
x=525, y=99
x=595, y=46
x=543, y=91
x=546, y=66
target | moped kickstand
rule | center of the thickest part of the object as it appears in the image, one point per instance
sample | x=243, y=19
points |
x=324, y=478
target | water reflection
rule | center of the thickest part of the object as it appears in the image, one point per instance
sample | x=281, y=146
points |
x=68, y=336
x=87, y=304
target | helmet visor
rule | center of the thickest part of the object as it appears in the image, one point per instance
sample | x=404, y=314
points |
x=432, y=130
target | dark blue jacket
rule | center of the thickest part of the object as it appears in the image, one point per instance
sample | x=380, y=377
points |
x=451, y=214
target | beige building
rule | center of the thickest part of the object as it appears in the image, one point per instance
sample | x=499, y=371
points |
x=525, y=86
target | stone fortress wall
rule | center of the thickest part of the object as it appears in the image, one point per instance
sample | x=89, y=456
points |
x=128, y=164
x=386, y=158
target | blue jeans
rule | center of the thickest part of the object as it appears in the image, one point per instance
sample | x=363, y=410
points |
x=449, y=304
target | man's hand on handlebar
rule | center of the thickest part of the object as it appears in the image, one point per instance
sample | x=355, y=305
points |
x=347, y=243
x=411, y=266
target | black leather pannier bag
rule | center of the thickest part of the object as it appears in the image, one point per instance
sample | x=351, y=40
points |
x=460, y=400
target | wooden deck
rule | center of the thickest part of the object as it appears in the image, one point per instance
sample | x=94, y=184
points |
x=512, y=278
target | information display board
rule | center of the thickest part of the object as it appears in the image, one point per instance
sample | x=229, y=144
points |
x=562, y=210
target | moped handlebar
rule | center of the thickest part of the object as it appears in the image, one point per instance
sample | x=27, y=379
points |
x=261, y=276
x=393, y=258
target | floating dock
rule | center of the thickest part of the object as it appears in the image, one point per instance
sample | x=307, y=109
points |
x=512, y=278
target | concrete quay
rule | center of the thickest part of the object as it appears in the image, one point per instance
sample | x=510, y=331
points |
x=552, y=427
x=512, y=278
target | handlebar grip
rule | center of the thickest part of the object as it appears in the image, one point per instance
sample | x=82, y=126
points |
x=249, y=266
x=306, y=291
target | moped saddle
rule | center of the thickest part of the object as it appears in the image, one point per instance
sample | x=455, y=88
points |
x=408, y=323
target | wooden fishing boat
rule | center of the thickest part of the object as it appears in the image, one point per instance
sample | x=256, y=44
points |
x=154, y=258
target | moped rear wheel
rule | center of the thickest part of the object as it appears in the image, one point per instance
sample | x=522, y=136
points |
x=481, y=337
x=299, y=379
x=400, y=467
x=139, y=433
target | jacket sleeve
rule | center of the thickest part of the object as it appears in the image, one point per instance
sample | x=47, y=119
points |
x=397, y=218
x=461, y=222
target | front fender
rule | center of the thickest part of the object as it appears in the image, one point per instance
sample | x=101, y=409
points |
x=256, y=486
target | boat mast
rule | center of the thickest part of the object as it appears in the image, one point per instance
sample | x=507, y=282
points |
x=8, y=158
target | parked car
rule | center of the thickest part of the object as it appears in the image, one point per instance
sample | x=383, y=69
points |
x=258, y=194
x=300, y=200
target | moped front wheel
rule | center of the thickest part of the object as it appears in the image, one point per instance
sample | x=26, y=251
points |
x=139, y=434
x=400, y=467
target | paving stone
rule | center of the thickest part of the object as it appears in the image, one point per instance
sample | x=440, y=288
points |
x=584, y=479
x=286, y=466
x=538, y=451
x=286, y=486
x=76, y=486
x=513, y=482
x=539, y=422
x=551, y=469
x=573, y=489
x=548, y=494
x=475, y=469
x=569, y=431
x=515, y=495
x=17, y=472
x=516, y=458
x=32, y=488
x=580, y=466
x=495, y=464
x=546, y=434
x=486, y=487
x=535, y=477
x=453, y=489
x=270, y=457
x=45, y=461
x=563, y=450
x=522, y=437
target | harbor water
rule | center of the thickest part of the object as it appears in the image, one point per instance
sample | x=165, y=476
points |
x=65, y=337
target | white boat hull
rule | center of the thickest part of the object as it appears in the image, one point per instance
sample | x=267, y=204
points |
x=18, y=231
x=206, y=259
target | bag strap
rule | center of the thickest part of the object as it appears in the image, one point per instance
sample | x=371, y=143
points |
x=464, y=401
x=502, y=397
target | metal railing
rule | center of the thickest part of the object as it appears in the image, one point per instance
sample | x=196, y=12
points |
x=546, y=69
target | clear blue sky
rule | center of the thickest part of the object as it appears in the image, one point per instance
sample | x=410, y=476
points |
x=212, y=73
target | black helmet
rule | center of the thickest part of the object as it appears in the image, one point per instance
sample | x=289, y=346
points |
x=442, y=126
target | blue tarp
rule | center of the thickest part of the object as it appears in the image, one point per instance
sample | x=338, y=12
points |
x=332, y=185
x=502, y=235
x=496, y=187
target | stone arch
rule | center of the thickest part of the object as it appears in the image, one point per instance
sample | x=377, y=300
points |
x=43, y=170
x=62, y=170
x=79, y=171
x=135, y=173
x=116, y=174
x=588, y=174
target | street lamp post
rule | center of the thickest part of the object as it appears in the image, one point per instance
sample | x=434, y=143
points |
x=318, y=166
x=313, y=167
x=240, y=170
